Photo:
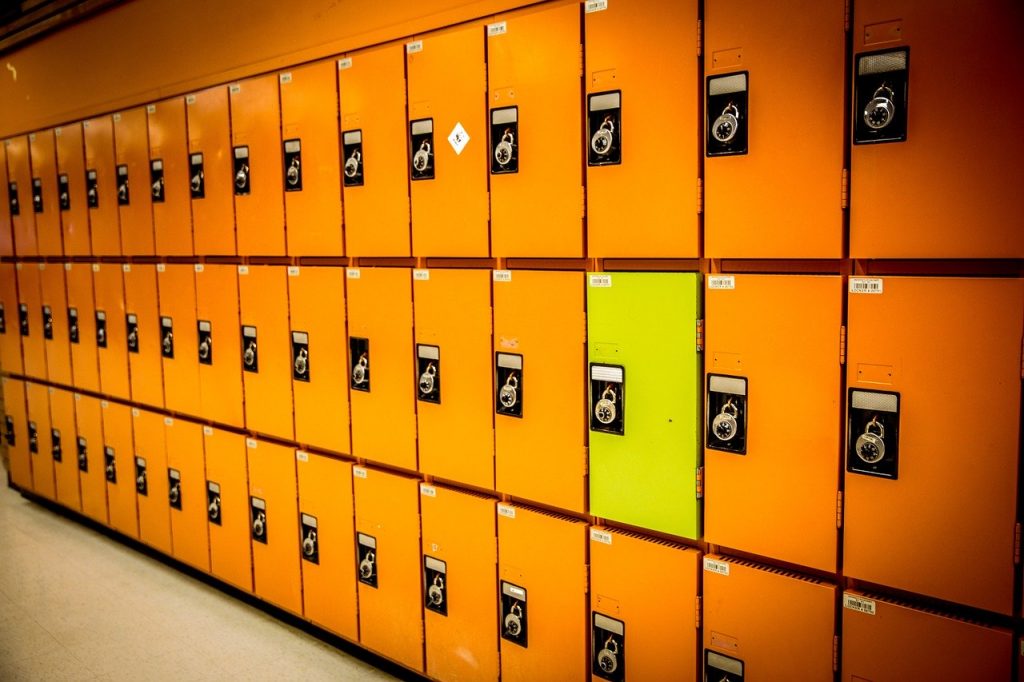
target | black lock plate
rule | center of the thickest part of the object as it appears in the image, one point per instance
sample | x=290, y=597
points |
x=608, y=648
x=167, y=337
x=309, y=540
x=55, y=447
x=109, y=464
x=214, y=513
x=721, y=668
x=421, y=149
x=48, y=323
x=300, y=356
x=727, y=94
x=9, y=430
x=101, y=329
x=33, y=438
x=242, y=178
x=723, y=390
x=141, y=482
x=156, y=180
x=73, y=325
x=428, y=373
x=608, y=382
x=514, y=624
x=359, y=355
x=37, y=195
x=508, y=382
x=123, y=196
x=366, y=559
x=12, y=198
x=352, y=158
x=435, y=585
x=250, y=351
x=197, y=176
x=504, y=140
x=879, y=408
x=132, y=329
x=83, y=454
x=64, y=192
x=258, y=508
x=23, y=319
x=886, y=75
x=604, y=120
x=174, y=488
x=205, y=328
x=92, y=189
x=293, y=165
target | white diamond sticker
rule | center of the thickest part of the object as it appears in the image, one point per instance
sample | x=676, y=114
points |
x=458, y=138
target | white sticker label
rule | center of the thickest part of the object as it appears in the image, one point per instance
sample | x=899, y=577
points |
x=428, y=490
x=135, y=412
x=95, y=267
x=359, y=472
x=414, y=47
x=865, y=285
x=600, y=280
x=352, y=273
x=207, y=430
x=293, y=271
x=715, y=566
x=126, y=267
x=151, y=109
x=250, y=443
x=301, y=456
x=595, y=6
x=859, y=604
x=104, y=404
x=286, y=78
x=117, y=118
x=497, y=29
x=506, y=510
x=421, y=275
x=601, y=536
x=345, y=63
x=458, y=138
x=67, y=266
x=168, y=421
x=78, y=396
x=57, y=132
x=721, y=282
x=190, y=99
x=234, y=89
x=502, y=276
x=161, y=267
x=243, y=269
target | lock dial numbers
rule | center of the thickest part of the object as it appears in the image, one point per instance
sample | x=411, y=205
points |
x=726, y=410
x=873, y=433
x=435, y=585
x=727, y=114
x=608, y=647
x=607, y=398
x=514, y=622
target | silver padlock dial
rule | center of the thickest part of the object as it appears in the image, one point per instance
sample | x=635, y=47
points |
x=309, y=544
x=258, y=525
x=420, y=159
x=436, y=595
x=167, y=342
x=250, y=354
x=301, y=362
x=601, y=141
x=366, y=566
x=724, y=426
x=503, y=153
x=140, y=481
x=607, y=661
x=605, y=411
x=214, y=508
x=293, y=172
x=359, y=373
x=241, y=176
x=509, y=396
x=352, y=165
x=204, y=349
x=173, y=493
x=157, y=186
x=513, y=626
x=426, y=383
x=870, y=447
x=725, y=127
x=133, y=337
x=197, y=181
x=879, y=111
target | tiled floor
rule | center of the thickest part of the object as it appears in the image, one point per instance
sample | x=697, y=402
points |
x=77, y=605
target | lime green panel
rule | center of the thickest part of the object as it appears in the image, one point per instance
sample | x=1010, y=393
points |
x=647, y=323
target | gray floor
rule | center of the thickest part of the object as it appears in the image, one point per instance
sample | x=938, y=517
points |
x=76, y=605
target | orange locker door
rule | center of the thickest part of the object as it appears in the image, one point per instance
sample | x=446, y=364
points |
x=89, y=452
x=55, y=323
x=186, y=493
x=888, y=641
x=134, y=195
x=220, y=363
x=636, y=633
x=81, y=315
x=319, y=358
x=448, y=182
x=383, y=406
x=101, y=186
x=540, y=335
x=766, y=624
x=770, y=415
x=30, y=318
x=535, y=132
x=63, y=439
x=45, y=205
x=273, y=501
x=39, y=441
x=169, y=177
x=16, y=433
x=119, y=468
x=312, y=170
x=210, y=172
x=179, y=344
x=905, y=455
x=453, y=374
x=641, y=136
x=111, y=329
x=912, y=195
x=327, y=543
x=388, y=556
x=145, y=334
x=460, y=555
x=151, y=482
x=6, y=235
x=71, y=196
x=256, y=169
x=542, y=595
x=371, y=85
x=266, y=352
x=10, y=321
x=227, y=507
x=19, y=193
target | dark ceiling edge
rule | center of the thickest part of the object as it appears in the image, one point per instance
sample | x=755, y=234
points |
x=65, y=16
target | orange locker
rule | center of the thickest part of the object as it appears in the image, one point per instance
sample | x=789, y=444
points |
x=904, y=453
x=912, y=195
x=71, y=195
x=145, y=334
x=257, y=160
x=453, y=375
x=186, y=493
x=90, y=455
x=220, y=363
x=889, y=640
x=383, y=403
x=542, y=592
x=273, y=500
x=169, y=177
x=19, y=193
x=45, y=204
x=764, y=623
x=636, y=632
x=448, y=183
x=81, y=314
x=319, y=357
x=375, y=181
x=641, y=136
x=63, y=440
x=134, y=194
x=111, y=329
x=55, y=323
x=39, y=441
x=210, y=169
x=540, y=325
x=16, y=433
x=10, y=321
x=388, y=556
x=227, y=507
x=179, y=339
x=772, y=190
x=327, y=543
x=460, y=556
x=312, y=170
x=30, y=318
x=266, y=352
x=101, y=186
x=536, y=173
x=770, y=415
x=6, y=235
x=119, y=468
x=151, y=481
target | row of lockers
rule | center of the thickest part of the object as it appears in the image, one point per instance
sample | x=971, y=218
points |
x=474, y=141
x=586, y=393
x=443, y=581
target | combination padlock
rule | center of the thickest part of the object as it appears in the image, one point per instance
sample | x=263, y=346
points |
x=427, y=379
x=360, y=370
x=601, y=141
x=292, y=176
x=725, y=425
x=122, y=191
x=605, y=409
x=250, y=354
x=168, y=343
x=503, y=151
x=101, y=335
x=242, y=176
x=727, y=124
x=259, y=525
x=366, y=566
x=509, y=393
x=133, y=338
x=92, y=197
x=302, y=362
x=436, y=591
x=214, y=509
x=73, y=329
x=83, y=458
x=205, y=347
x=158, y=188
x=514, y=620
x=197, y=181
x=140, y=481
x=111, y=471
x=422, y=157
x=608, y=657
x=309, y=543
x=37, y=202
x=64, y=198
x=174, y=493
x=352, y=164
x=48, y=325
x=870, y=445
x=879, y=111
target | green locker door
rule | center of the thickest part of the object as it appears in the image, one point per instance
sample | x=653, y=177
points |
x=644, y=383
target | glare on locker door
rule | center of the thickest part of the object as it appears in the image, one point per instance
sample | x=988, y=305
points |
x=641, y=135
x=19, y=197
x=179, y=338
x=186, y=493
x=145, y=334
x=111, y=329
x=375, y=176
x=227, y=507
x=10, y=321
x=211, y=172
x=119, y=467
x=55, y=323
x=30, y=318
x=39, y=442
x=169, y=177
x=534, y=125
x=101, y=186
x=71, y=192
x=45, y=205
x=63, y=443
x=312, y=153
x=90, y=456
x=16, y=432
x=151, y=481
x=219, y=340
x=6, y=233
x=134, y=196
x=448, y=143
x=81, y=316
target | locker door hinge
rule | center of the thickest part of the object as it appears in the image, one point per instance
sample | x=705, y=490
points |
x=581, y=60
x=835, y=653
x=586, y=578
x=839, y=509
x=700, y=336
x=700, y=483
x=700, y=195
x=698, y=612
x=842, y=344
x=700, y=37
x=1016, y=543
x=846, y=15
x=844, y=190
x=586, y=461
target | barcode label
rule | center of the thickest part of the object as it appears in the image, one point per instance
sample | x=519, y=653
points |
x=345, y=63
x=199, y=267
x=715, y=566
x=721, y=282
x=421, y=275
x=250, y=443
x=117, y=118
x=301, y=456
x=600, y=280
x=352, y=273
x=595, y=6
x=151, y=109
x=168, y=421
x=507, y=511
x=243, y=269
x=414, y=47
x=601, y=536
x=859, y=604
x=207, y=430
x=359, y=472
x=428, y=490
x=865, y=285
x=286, y=78
x=190, y=99
x=135, y=412
x=502, y=276
x=234, y=89
x=497, y=29
x=293, y=271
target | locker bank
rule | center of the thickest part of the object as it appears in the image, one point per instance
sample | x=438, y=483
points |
x=566, y=340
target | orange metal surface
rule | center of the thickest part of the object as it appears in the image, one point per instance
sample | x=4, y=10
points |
x=447, y=79
x=371, y=86
x=453, y=313
x=10, y=333
x=43, y=481
x=30, y=296
x=177, y=289
x=189, y=528
x=81, y=304
x=227, y=473
x=16, y=412
x=309, y=114
x=89, y=420
x=109, y=293
x=140, y=291
x=71, y=166
x=43, y=150
x=58, y=348
x=62, y=421
x=965, y=379
x=19, y=177
x=220, y=382
x=151, y=449
x=119, y=444
x=168, y=145
x=6, y=234
x=135, y=207
x=209, y=134
x=104, y=222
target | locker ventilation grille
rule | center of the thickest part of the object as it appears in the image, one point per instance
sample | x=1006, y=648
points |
x=907, y=604
x=772, y=569
x=544, y=512
x=644, y=538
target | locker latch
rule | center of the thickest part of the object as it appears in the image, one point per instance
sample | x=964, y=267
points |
x=607, y=398
x=508, y=371
x=359, y=356
x=12, y=197
x=505, y=140
x=73, y=325
x=123, y=198
x=727, y=114
x=156, y=180
x=37, y=195
x=23, y=319
x=109, y=465
x=33, y=438
x=874, y=430
x=205, y=342
x=55, y=448
x=428, y=367
x=174, y=488
x=132, y=323
x=242, y=175
x=47, y=323
x=352, y=150
x=197, y=182
x=83, y=455
x=721, y=668
x=213, y=514
x=167, y=337
x=250, y=357
x=92, y=190
x=63, y=192
x=421, y=142
x=292, y=165
x=300, y=356
x=141, y=484
x=366, y=554
x=726, y=427
x=310, y=540
x=259, y=519
x=514, y=624
x=435, y=579
x=609, y=648
x=101, y=329
x=880, y=96
x=604, y=120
